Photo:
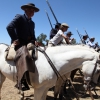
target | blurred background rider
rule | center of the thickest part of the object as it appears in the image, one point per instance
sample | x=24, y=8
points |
x=54, y=31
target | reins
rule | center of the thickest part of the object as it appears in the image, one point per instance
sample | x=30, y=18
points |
x=51, y=63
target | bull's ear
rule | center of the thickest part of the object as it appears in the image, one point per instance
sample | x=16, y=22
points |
x=98, y=61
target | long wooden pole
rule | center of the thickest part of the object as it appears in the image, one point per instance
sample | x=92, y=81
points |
x=49, y=19
x=52, y=11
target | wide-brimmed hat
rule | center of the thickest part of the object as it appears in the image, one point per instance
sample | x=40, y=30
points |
x=30, y=5
x=69, y=33
x=64, y=24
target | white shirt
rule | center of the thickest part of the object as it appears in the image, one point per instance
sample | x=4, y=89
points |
x=90, y=44
x=57, y=38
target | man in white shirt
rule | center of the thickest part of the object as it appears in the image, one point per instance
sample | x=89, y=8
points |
x=84, y=38
x=91, y=42
x=57, y=39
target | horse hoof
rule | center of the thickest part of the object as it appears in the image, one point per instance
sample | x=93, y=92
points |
x=21, y=98
x=21, y=95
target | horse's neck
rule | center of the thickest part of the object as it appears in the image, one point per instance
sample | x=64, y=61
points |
x=59, y=49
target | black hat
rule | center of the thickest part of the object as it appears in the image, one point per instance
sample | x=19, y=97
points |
x=29, y=5
x=69, y=33
x=85, y=35
x=57, y=24
x=92, y=38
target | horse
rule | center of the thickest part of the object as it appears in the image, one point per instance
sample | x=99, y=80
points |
x=64, y=58
x=87, y=70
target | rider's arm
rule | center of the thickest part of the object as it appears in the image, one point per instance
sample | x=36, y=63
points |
x=11, y=28
x=66, y=38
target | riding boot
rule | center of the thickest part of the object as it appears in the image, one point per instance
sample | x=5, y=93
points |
x=24, y=84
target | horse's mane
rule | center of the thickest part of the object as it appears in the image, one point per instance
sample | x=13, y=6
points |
x=64, y=48
x=4, y=44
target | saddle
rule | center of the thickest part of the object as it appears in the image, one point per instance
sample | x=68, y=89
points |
x=10, y=53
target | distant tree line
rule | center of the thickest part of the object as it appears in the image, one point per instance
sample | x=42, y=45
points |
x=43, y=41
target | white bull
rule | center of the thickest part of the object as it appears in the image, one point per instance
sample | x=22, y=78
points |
x=65, y=59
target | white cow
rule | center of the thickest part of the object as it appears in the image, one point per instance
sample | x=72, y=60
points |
x=65, y=59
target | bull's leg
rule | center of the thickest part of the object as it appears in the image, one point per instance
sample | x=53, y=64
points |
x=2, y=79
x=40, y=93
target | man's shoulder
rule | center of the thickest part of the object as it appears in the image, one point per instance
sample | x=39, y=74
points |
x=19, y=15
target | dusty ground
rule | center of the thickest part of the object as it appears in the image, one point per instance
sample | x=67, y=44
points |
x=9, y=92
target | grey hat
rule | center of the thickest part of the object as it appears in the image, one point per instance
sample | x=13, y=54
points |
x=69, y=33
x=64, y=24
x=29, y=5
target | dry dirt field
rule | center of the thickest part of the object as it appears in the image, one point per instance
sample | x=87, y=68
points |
x=9, y=92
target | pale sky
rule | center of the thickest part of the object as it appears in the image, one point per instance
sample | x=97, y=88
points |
x=80, y=14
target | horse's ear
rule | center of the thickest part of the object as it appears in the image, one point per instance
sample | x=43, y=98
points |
x=98, y=61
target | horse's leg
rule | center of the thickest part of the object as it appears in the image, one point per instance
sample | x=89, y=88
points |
x=45, y=93
x=40, y=93
x=57, y=88
x=2, y=79
x=21, y=92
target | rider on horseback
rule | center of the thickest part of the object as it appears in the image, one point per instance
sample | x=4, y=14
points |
x=58, y=38
x=21, y=31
